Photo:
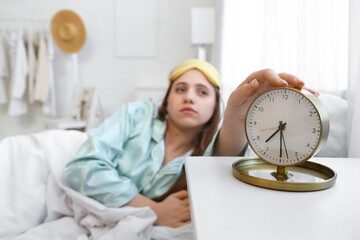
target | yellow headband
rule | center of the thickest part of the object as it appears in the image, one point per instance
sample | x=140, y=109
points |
x=206, y=68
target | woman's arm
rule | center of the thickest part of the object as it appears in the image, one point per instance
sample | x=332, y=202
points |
x=173, y=211
x=95, y=170
x=231, y=140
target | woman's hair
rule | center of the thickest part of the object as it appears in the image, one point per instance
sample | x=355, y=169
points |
x=207, y=132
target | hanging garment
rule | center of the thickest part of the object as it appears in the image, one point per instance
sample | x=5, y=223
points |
x=49, y=107
x=4, y=71
x=19, y=70
x=31, y=56
x=41, y=74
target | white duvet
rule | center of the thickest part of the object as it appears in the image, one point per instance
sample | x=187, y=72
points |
x=36, y=204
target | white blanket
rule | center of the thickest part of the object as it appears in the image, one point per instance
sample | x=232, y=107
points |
x=36, y=204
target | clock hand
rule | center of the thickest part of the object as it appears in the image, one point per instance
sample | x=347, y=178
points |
x=281, y=128
x=283, y=139
x=280, y=143
x=280, y=124
x=269, y=129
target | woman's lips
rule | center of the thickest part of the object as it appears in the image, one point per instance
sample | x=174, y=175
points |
x=188, y=110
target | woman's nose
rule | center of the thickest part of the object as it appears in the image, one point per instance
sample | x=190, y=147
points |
x=189, y=96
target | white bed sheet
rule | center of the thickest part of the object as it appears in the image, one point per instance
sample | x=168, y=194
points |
x=36, y=204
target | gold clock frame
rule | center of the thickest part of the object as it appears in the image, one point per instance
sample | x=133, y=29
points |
x=282, y=179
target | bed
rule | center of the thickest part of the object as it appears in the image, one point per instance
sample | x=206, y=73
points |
x=36, y=204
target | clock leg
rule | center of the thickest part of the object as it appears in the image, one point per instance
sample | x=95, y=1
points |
x=281, y=174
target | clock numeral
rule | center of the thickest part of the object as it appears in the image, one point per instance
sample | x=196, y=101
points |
x=311, y=113
x=261, y=109
x=258, y=137
x=255, y=122
x=285, y=96
x=313, y=130
x=308, y=145
x=296, y=154
x=271, y=99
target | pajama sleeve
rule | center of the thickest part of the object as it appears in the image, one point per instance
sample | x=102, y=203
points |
x=94, y=171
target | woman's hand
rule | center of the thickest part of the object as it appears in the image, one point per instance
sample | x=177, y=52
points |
x=231, y=140
x=255, y=84
x=173, y=211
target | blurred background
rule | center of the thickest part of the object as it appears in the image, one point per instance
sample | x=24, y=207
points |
x=132, y=46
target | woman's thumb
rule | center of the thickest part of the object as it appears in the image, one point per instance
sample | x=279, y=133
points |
x=253, y=84
x=245, y=91
x=181, y=194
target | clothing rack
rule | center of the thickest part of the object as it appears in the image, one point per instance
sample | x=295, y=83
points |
x=25, y=23
x=20, y=40
x=22, y=20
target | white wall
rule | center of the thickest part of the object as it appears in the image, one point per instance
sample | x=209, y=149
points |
x=115, y=78
x=354, y=79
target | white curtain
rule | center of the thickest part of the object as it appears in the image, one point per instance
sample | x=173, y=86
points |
x=308, y=38
x=354, y=80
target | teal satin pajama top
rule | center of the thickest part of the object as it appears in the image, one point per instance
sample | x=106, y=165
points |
x=123, y=158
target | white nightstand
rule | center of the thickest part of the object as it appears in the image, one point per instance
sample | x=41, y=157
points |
x=223, y=207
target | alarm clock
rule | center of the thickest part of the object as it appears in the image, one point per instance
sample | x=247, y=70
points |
x=285, y=128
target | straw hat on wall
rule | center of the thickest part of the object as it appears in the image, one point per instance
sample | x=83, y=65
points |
x=68, y=31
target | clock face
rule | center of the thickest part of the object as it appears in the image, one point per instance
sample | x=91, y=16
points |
x=283, y=127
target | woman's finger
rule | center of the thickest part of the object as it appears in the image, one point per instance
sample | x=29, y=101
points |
x=292, y=80
x=248, y=89
x=312, y=91
x=179, y=224
x=186, y=202
x=182, y=194
x=185, y=215
x=270, y=76
x=243, y=93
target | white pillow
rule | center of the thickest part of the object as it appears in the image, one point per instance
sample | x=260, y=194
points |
x=337, y=108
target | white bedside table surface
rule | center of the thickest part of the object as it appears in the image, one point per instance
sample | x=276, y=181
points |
x=224, y=208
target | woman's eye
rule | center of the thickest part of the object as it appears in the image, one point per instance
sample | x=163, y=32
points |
x=179, y=89
x=203, y=92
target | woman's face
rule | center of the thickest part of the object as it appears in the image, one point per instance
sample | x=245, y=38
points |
x=191, y=101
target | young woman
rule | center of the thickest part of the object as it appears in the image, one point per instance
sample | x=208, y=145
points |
x=136, y=157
